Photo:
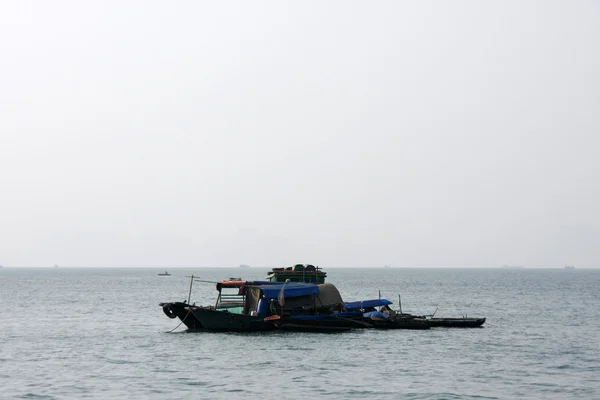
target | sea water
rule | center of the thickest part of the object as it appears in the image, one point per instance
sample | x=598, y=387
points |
x=98, y=333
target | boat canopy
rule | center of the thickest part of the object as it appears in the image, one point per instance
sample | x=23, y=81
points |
x=328, y=296
x=356, y=305
x=228, y=283
x=291, y=289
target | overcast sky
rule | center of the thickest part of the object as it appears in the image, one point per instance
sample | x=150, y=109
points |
x=339, y=133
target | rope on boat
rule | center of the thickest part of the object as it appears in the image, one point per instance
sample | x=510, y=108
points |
x=186, y=315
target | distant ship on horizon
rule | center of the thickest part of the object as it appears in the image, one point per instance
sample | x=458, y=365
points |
x=244, y=266
x=569, y=267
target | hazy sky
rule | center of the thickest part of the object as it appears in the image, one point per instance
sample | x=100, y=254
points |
x=339, y=133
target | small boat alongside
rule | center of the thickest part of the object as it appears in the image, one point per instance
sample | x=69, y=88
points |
x=385, y=317
x=164, y=274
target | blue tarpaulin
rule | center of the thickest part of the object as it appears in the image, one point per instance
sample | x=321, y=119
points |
x=356, y=305
x=292, y=289
x=376, y=314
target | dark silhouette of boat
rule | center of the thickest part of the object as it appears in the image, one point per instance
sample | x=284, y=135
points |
x=243, y=306
x=307, y=306
x=164, y=274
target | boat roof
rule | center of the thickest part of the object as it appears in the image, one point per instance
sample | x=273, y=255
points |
x=356, y=305
x=291, y=289
x=227, y=283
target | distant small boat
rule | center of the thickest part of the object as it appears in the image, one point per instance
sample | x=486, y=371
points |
x=164, y=274
x=55, y=266
x=569, y=267
x=244, y=266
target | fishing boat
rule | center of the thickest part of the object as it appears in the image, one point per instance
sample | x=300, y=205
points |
x=307, y=273
x=164, y=274
x=243, y=306
x=226, y=315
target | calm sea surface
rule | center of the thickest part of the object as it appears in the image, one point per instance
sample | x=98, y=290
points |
x=79, y=333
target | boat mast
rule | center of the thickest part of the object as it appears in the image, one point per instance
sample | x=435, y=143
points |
x=191, y=283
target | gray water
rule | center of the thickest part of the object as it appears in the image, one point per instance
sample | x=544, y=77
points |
x=93, y=333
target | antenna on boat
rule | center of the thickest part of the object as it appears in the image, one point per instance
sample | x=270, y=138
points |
x=399, y=303
x=380, y=294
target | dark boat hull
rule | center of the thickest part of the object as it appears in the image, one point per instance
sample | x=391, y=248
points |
x=403, y=323
x=182, y=311
x=456, y=322
x=224, y=321
x=323, y=324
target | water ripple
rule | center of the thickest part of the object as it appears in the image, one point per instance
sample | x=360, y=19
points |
x=84, y=342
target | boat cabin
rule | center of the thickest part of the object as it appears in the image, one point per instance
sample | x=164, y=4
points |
x=232, y=295
x=262, y=298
